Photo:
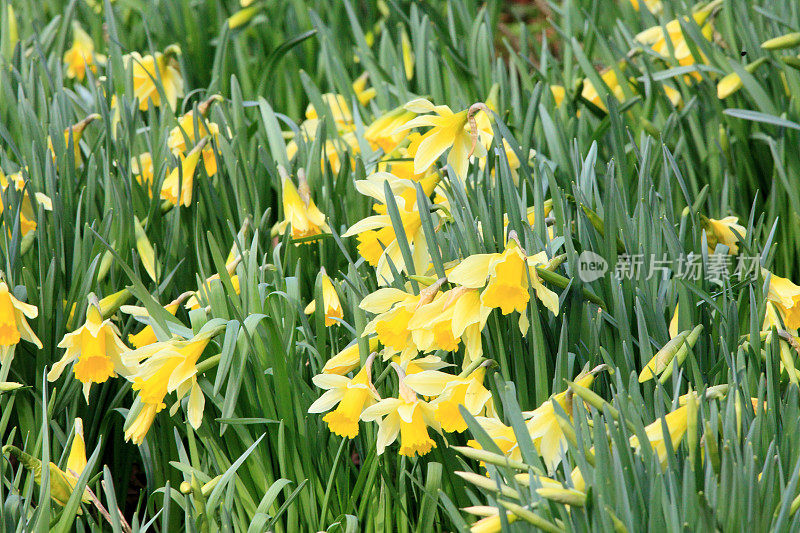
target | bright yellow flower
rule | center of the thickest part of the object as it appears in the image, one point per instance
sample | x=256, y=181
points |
x=204, y=292
x=676, y=422
x=62, y=483
x=162, y=368
x=351, y=395
x=338, y=104
x=452, y=317
x=81, y=55
x=451, y=392
x=502, y=435
x=178, y=186
x=545, y=430
x=149, y=71
x=394, y=309
x=73, y=134
x=383, y=134
x=406, y=416
x=376, y=234
x=333, y=309
x=786, y=297
x=670, y=42
x=148, y=335
x=348, y=359
x=722, y=232
x=507, y=274
x=300, y=211
x=184, y=135
x=448, y=130
x=96, y=347
x=13, y=324
x=143, y=170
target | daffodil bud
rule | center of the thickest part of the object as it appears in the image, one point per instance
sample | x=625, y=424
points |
x=733, y=82
x=663, y=358
x=571, y=497
x=691, y=426
x=792, y=61
x=683, y=351
x=8, y=386
x=490, y=458
x=242, y=17
x=790, y=40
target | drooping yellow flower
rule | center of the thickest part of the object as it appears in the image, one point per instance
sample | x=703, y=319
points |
x=376, y=234
x=81, y=54
x=508, y=273
x=448, y=130
x=502, y=435
x=161, y=368
x=393, y=309
x=786, y=297
x=143, y=170
x=333, y=309
x=96, y=349
x=148, y=335
x=676, y=422
x=178, y=186
x=74, y=134
x=670, y=42
x=62, y=483
x=351, y=395
x=406, y=416
x=348, y=359
x=300, y=211
x=187, y=134
x=383, y=134
x=203, y=293
x=13, y=323
x=723, y=231
x=151, y=70
x=451, y=392
x=545, y=431
x=453, y=317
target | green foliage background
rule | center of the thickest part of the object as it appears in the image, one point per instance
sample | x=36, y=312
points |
x=635, y=179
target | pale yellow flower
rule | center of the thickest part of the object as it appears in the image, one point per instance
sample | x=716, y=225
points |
x=81, y=54
x=151, y=70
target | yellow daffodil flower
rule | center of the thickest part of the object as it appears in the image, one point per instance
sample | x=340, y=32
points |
x=74, y=134
x=723, y=231
x=62, y=483
x=545, y=431
x=393, y=309
x=348, y=359
x=502, y=435
x=670, y=42
x=81, y=54
x=149, y=71
x=406, y=416
x=161, y=368
x=178, y=186
x=13, y=320
x=376, y=234
x=786, y=297
x=148, y=335
x=451, y=392
x=184, y=135
x=300, y=211
x=351, y=395
x=143, y=170
x=333, y=309
x=97, y=348
x=448, y=130
x=676, y=422
x=383, y=134
x=507, y=274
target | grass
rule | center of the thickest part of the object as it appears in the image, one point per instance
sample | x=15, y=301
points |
x=639, y=178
